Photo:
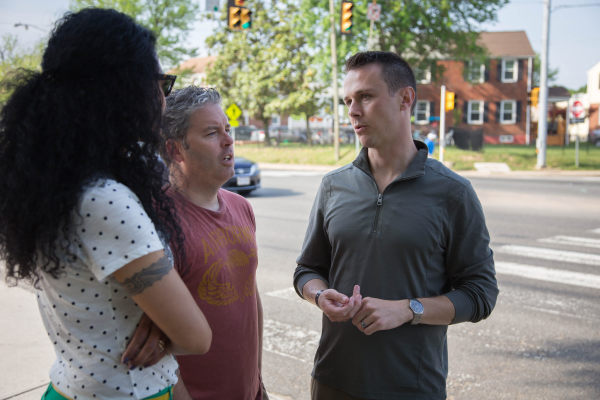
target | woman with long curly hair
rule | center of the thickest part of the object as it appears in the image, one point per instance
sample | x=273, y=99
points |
x=83, y=211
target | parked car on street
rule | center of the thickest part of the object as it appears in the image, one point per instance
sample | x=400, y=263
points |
x=246, y=178
x=245, y=132
x=282, y=133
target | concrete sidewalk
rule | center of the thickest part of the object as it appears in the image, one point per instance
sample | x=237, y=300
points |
x=27, y=353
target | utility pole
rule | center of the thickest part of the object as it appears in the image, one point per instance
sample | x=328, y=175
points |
x=334, y=86
x=543, y=102
x=442, y=122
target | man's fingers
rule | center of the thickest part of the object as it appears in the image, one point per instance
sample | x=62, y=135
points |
x=334, y=296
x=356, y=291
x=358, y=317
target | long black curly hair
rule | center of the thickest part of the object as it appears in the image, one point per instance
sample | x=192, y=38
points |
x=94, y=111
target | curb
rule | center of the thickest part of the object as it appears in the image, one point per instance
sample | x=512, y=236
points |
x=552, y=173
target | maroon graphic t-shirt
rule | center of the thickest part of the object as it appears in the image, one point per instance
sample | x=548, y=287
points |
x=220, y=272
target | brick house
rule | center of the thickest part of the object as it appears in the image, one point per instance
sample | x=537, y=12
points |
x=491, y=95
x=593, y=96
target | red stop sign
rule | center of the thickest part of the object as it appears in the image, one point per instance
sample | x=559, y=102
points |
x=577, y=109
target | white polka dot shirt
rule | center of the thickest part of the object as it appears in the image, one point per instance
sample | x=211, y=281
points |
x=88, y=315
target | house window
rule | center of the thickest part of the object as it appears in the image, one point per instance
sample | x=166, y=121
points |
x=508, y=112
x=422, y=112
x=475, y=72
x=475, y=112
x=423, y=75
x=510, y=70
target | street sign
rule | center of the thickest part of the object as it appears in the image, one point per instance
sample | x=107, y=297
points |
x=373, y=11
x=577, y=109
x=233, y=112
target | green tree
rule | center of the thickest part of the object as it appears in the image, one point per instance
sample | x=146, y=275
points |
x=243, y=71
x=582, y=89
x=300, y=90
x=170, y=20
x=537, y=71
x=12, y=59
x=267, y=69
x=421, y=31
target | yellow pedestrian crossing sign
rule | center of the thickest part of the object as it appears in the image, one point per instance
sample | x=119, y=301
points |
x=233, y=112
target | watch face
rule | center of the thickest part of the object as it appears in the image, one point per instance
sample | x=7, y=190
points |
x=416, y=306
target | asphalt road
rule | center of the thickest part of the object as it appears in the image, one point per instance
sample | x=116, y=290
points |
x=541, y=342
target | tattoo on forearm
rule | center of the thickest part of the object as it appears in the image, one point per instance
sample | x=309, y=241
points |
x=145, y=278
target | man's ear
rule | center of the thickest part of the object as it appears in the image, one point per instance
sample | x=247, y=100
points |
x=408, y=97
x=174, y=150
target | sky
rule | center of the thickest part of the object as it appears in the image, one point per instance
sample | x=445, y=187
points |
x=574, y=30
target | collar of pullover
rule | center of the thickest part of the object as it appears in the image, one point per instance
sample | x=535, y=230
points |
x=415, y=169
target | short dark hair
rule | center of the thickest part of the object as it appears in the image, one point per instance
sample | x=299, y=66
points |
x=396, y=72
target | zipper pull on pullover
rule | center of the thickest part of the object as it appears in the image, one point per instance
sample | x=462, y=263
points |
x=379, y=199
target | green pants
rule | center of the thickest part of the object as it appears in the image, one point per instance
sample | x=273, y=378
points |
x=53, y=394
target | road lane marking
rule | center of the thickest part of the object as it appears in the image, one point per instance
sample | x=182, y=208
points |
x=549, y=274
x=572, y=241
x=551, y=254
x=290, y=341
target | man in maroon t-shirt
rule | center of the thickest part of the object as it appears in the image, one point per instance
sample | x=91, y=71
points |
x=219, y=259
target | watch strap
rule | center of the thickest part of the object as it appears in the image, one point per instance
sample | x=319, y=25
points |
x=317, y=297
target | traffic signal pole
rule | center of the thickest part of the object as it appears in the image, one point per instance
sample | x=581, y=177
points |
x=334, y=86
x=543, y=102
x=442, y=122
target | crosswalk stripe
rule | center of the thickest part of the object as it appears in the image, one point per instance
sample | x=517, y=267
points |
x=548, y=274
x=551, y=254
x=597, y=230
x=572, y=241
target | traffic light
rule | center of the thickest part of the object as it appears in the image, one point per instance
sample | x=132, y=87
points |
x=449, y=101
x=235, y=18
x=239, y=17
x=346, y=20
x=246, y=18
x=534, y=96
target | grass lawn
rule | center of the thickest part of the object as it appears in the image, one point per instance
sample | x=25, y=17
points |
x=517, y=157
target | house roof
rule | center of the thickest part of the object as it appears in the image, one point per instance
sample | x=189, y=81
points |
x=558, y=91
x=506, y=44
x=197, y=65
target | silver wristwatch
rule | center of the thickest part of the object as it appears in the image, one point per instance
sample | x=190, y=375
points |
x=417, y=309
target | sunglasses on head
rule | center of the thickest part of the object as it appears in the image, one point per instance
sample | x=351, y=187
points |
x=166, y=82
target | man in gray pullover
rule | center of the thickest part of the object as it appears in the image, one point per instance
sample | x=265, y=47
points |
x=395, y=251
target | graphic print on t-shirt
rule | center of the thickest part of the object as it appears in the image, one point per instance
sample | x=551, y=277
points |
x=229, y=254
